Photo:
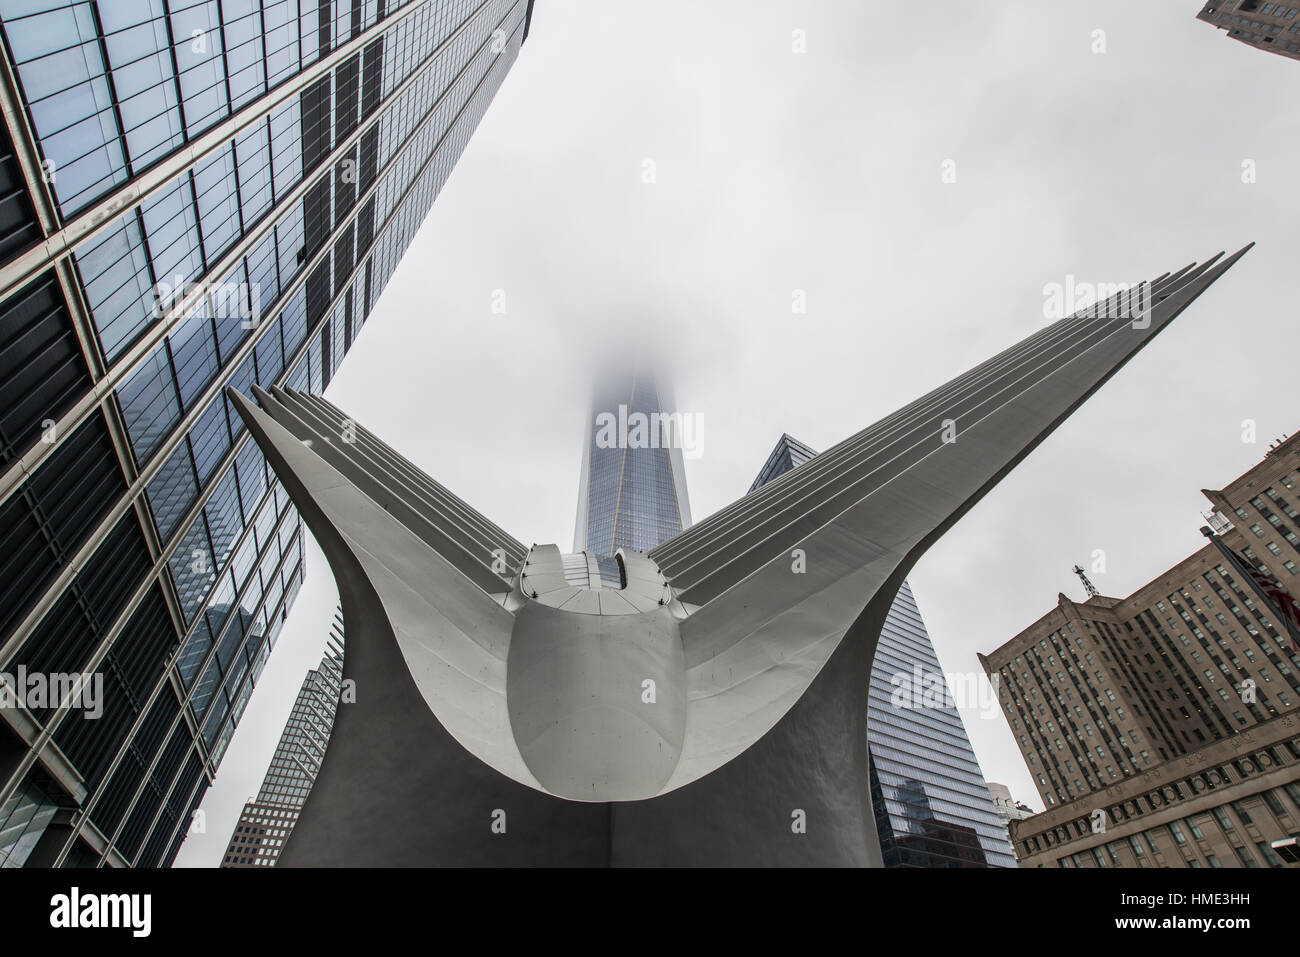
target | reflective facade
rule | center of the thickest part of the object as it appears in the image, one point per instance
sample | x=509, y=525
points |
x=197, y=195
x=266, y=822
x=933, y=807
x=632, y=491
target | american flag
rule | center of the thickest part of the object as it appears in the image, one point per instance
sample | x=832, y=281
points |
x=1284, y=606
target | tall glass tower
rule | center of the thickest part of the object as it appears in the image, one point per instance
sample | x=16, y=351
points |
x=632, y=493
x=933, y=807
x=266, y=822
x=193, y=195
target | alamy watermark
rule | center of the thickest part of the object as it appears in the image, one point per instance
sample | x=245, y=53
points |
x=922, y=689
x=650, y=430
x=38, y=690
x=1101, y=300
x=228, y=300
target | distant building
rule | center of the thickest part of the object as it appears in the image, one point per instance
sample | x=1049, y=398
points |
x=1273, y=27
x=1197, y=666
x=266, y=822
x=632, y=490
x=933, y=807
x=1008, y=808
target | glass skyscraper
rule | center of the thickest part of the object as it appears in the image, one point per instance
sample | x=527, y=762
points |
x=933, y=807
x=193, y=195
x=632, y=492
x=266, y=823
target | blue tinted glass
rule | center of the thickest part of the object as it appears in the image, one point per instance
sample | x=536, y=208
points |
x=198, y=53
x=119, y=291
x=194, y=353
x=245, y=561
x=173, y=234
x=196, y=650
x=242, y=382
x=244, y=64
x=270, y=359
x=224, y=520
x=280, y=24
x=192, y=569
x=265, y=283
x=209, y=683
x=214, y=185
x=221, y=607
x=289, y=244
x=150, y=405
x=210, y=439
x=173, y=490
x=142, y=78
x=253, y=154
x=251, y=466
x=212, y=726
x=68, y=97
x=293, y=325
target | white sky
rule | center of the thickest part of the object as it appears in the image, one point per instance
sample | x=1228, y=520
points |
x=820, y=171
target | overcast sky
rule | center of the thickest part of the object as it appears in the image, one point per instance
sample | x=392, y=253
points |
x=774, y=171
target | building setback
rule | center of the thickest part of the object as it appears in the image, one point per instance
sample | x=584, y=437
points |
x=933, y=807
x=197, y=195
x=1104, y=695
x=1273, y=27
x=266, y=822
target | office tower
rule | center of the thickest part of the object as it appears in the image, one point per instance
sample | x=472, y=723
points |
x=197, y=195
x=266, y=822
x=932, y=805
x=1272, y=27
x=1127, y=683
x=1008, y=808
x=1109, y=695
x=632, y=490
x=537, y=711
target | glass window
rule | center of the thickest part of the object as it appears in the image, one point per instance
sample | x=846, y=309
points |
x=209, y=439
x=150, y=406
x=214, y=184
x=251, y=468
x=244, y=64
x=280, y=20
x=192, y=569
x=286, y=146
x=224, y=519
x=198, y=51
x=270, y=357
x=253, y=156
x=173, y=232
x=208, y=684
x=245, y=561
x=219, y=611
x=194, y=355
x=115, y=274
x=142, y=78
x=192, y=656
x=58, y=59
x=172, y=491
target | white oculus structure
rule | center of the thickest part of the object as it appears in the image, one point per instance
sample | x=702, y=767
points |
x=516, y=707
